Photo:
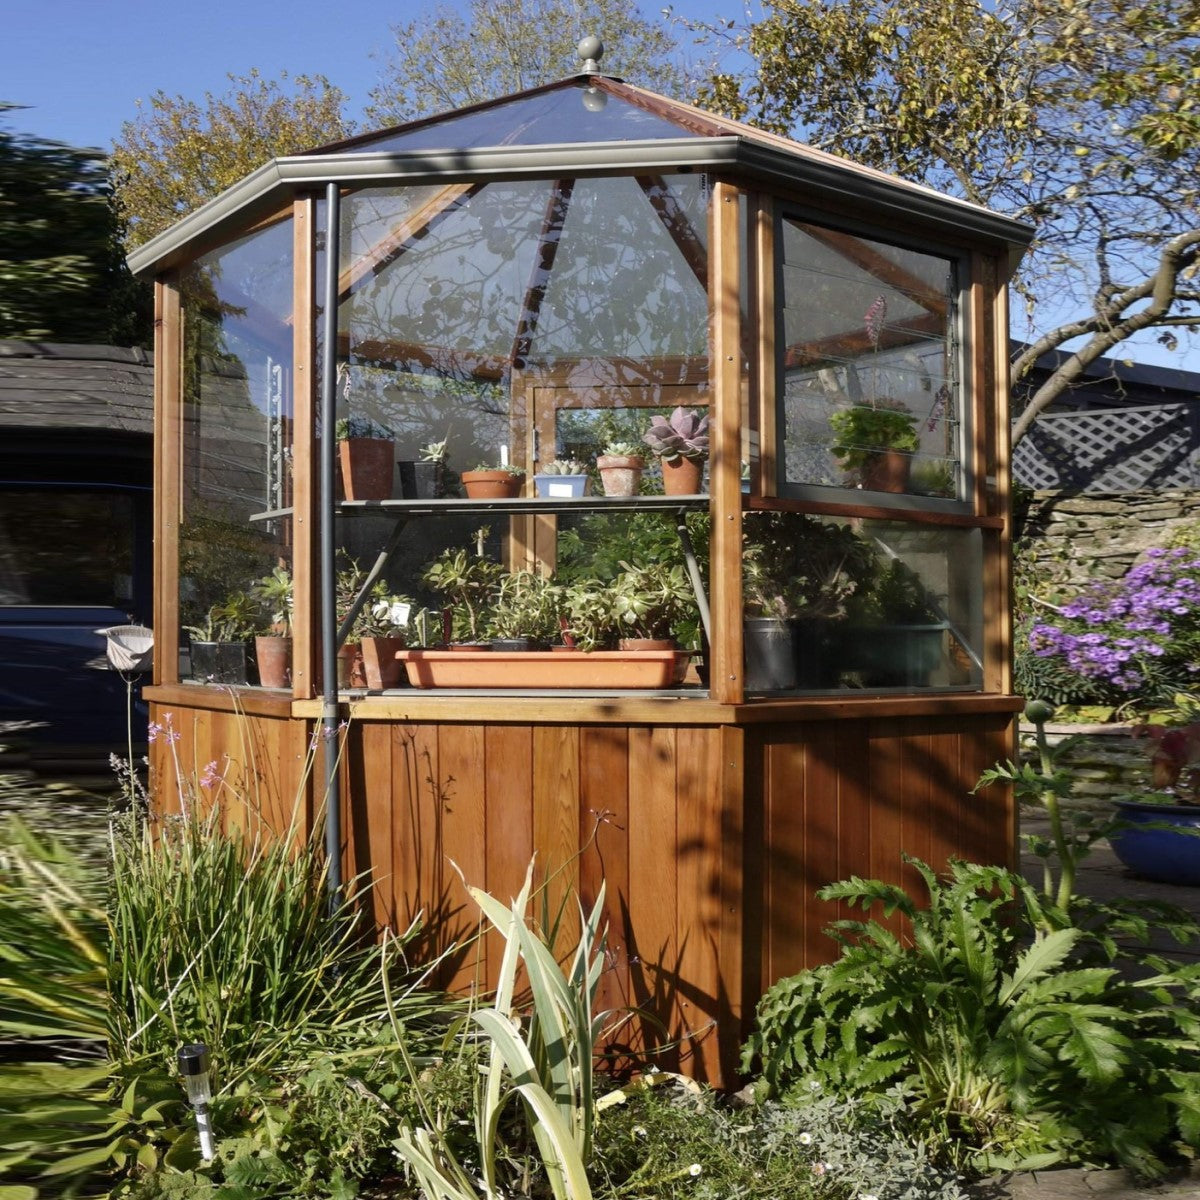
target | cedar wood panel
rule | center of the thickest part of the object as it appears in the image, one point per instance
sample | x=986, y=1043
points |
x=711, y=840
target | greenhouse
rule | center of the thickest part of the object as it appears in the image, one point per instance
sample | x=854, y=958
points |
x=727, y=394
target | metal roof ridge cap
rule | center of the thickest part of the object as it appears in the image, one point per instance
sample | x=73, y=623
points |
x=222, y=206
x=300, y=168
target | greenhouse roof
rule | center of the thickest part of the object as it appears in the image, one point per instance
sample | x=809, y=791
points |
x=585, y=125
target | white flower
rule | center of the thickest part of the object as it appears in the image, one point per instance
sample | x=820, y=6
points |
x=639, y=1131
x=813, y=1086
x=805, y=1139
x=695, y=1169
x=867, y=1196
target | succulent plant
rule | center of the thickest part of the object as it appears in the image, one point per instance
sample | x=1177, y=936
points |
x=682, y=435
x=564, y=466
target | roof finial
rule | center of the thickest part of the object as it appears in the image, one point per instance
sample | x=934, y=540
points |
x=591, y=50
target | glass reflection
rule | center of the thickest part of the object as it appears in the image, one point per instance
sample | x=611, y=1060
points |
x=853, y=604
x=869, y=380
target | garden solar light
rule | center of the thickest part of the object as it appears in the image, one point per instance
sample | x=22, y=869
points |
x=193, y=1068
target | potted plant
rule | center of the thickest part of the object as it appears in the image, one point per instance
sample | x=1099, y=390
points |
x=898, y=629
x=490, y=482
x=468, y=582
x=425, y=477
x=875, y=442
x=219, y=644
x=681, y=443
x=563, y=477
x=525, y=610
x=588, y=622
x=648, y=602
x=366, y=453
x=380, y=631
x=273, y=648
x=1157, y=834
x=620, y=465
x=798, y=572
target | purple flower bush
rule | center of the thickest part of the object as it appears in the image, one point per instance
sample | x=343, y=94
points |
x=1137, y=639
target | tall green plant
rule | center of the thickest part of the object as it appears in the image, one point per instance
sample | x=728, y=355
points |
x=225, y=937
x=548, y=1067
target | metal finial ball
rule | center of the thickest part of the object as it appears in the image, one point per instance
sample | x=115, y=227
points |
x=590, y=49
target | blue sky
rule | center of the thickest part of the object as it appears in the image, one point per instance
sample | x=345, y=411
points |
x=82, y=65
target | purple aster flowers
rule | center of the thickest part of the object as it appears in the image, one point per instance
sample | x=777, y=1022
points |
x=1136, y=636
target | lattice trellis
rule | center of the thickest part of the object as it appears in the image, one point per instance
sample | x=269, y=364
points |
x=1150, y=448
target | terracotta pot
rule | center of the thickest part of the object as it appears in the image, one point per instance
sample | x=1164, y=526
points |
x=540, y=669
x=886, y=471
x=381, y=668
x=274, y=657
x=350, y=666
x=639, y=644
x=368, y=468
x=620, y=474
x=491, y=485
x=682, y=476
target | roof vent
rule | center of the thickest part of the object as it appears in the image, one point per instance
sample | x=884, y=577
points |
x=591, y=50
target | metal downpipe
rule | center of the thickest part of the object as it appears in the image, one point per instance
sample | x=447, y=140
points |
x=329, y=647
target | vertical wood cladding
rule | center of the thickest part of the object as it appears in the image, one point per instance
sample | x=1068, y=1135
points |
x=710, y=840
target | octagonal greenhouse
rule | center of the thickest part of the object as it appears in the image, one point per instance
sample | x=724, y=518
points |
x=530, y=286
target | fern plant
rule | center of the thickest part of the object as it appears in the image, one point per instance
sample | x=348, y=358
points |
x=1009, y=1053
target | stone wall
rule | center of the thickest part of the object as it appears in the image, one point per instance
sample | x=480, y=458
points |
x=1076, y=537
x=1107, y=761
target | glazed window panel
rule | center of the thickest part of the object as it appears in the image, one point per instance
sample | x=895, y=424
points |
x=236, y=460
x=848, y=604
x=869, y=392
x=457, y=302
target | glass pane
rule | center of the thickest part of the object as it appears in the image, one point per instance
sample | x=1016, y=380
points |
x=515, y=323
x=459, y=302
x=571, y=114
x=237, y=445
x=870, y=394
x=838, y=605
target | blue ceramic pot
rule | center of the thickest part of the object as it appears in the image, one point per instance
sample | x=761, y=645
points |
x=1152, y=842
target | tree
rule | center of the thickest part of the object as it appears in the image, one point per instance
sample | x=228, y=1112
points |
x=445, y=60
x=62, y=275
x=1080, y=116
x=177, y=154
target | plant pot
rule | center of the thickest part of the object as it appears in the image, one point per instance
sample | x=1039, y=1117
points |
x=220, y=662
x=620, y=474
x=770, y=651
x=682, y=476
x=381, y=669
x=491, y=485
x=368, y=468
x=896, y=655
x=540, y=669
x=561, y=487
x=420, y=480
x=1152, y=841
x=274, y=658
x=638, y=645
x=350, y=666
x=886, y=471
x=513, y=645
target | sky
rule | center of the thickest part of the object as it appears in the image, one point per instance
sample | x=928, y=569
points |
x=81, y=66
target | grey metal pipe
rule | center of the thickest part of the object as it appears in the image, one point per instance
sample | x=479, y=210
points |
x=328, y=413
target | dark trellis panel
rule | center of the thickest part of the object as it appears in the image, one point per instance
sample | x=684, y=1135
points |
x=1149, y=448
